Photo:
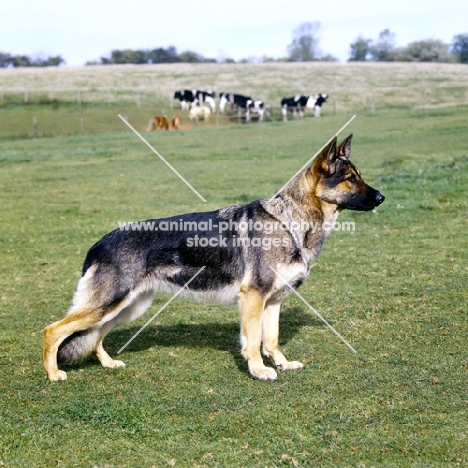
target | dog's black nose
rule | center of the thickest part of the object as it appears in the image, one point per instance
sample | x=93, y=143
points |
x=379, y=198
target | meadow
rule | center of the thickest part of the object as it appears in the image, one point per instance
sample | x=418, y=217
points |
x=395, y=288
x=85, y=100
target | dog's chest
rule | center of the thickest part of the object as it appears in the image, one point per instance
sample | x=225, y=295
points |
x=288, y=276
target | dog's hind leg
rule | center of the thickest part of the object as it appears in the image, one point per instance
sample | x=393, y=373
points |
x=56, y=333
x=105, y=360
x=87, y=315
x=132, y=312
x=79, y=318
x=270, y=339
x=251, y=309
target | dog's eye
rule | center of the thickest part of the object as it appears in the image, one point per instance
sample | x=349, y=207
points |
x=351, y=178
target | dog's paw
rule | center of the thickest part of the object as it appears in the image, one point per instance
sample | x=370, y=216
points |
x=263, y=373
x=57, y=375
x=112, y=364
x=290, y=365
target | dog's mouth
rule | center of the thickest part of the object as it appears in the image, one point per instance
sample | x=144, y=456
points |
x=368, y=204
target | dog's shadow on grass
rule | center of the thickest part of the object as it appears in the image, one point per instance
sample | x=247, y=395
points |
x=222, y=336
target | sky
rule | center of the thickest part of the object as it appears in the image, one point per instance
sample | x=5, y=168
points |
x=87, y=30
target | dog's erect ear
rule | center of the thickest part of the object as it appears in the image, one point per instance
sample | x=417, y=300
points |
x=325, y=163
x=344, y=150
x=329, y=154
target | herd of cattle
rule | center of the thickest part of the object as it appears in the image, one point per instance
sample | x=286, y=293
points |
x=201, y=104
x=190, y=99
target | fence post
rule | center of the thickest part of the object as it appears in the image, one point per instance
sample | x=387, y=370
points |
x=171, y=101
x=138, y=102
x=78, y=97
x=34, y=122
x=424, y=100
x=26, y=96
x=81, y=125
x=1, y=94
x=334, y=106
x=109, y=96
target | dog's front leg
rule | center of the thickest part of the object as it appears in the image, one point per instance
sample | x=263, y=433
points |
x=251, y=310
x=271, y=339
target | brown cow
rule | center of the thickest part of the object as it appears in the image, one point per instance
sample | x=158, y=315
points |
x=176, y=122
x=157, y=122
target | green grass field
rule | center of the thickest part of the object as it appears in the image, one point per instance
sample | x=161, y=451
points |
x=74, y=100
x=395, y=289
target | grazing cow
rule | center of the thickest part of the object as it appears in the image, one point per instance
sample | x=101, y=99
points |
x=257, y=107
x=297, y=104
x=195, y=97
x=157, y=122
x=235, y=99
x=244, y=102
x=185, y=97
x=197, y=112
x=205, y=97
x=176, y=122
x=163, y=123
x=321, y=98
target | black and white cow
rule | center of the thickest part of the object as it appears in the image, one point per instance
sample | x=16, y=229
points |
x=244, y=102
x=195, y=97
x=202, y=97
x=185, y=96
x=297, y=104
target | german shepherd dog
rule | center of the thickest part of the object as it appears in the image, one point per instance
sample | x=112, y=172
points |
x=252, y=254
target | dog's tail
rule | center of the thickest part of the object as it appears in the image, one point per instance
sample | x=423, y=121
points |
x=78, y=346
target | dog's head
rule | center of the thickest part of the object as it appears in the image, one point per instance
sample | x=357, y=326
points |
x=338, y=181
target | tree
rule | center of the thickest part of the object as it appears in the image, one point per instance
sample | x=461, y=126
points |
x=161, y=55
x=17, y=61
x=460, y=47
x=53, y=61
x=4, y=56
x=360, y=50
x=128, y=56
x=384, y=48
x=304, y=47
x=46, y=62
x=429, y=50
x=190, y=57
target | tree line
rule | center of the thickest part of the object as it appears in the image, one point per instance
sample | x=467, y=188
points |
x=428, y=50
x=305, y=47
x=10, y=60
x=148, y=56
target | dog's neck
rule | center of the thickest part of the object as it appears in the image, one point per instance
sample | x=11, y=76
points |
x=301, y=204
x=300, y=196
